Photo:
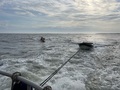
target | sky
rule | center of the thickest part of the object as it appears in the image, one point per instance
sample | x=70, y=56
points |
x=39, y=16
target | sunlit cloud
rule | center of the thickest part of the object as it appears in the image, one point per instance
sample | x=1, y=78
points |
x=88, y=14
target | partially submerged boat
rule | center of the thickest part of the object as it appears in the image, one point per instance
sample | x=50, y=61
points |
x=86, y=45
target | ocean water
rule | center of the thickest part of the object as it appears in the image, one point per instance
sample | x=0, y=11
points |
x=98, y=69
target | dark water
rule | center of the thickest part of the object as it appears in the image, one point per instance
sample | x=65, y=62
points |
x=98, y=69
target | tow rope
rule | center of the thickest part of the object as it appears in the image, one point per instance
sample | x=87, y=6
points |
x=55, y=72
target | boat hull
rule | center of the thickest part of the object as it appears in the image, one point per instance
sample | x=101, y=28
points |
x=86, y=46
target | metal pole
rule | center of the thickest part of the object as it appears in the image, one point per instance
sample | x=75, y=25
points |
x=22, y=79
x=5, y=74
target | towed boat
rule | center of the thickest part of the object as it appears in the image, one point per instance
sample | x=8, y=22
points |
x=86, y=45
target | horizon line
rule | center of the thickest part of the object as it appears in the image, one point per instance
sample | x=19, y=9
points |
x=57, y=32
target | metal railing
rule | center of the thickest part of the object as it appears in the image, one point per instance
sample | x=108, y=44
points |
x=22, y=79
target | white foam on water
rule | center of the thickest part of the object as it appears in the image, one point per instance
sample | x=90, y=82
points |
x=88, y=70
x=66, y=83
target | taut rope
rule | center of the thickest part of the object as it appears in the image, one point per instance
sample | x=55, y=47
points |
x=55, y=72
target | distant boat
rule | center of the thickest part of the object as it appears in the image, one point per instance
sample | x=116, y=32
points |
x=42, y=39
x=86, y=45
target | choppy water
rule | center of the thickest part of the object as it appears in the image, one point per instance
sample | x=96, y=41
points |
x=98, y=69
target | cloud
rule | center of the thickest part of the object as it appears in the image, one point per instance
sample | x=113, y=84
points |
x=61, y=13
x=3, y=24
x=59, y=7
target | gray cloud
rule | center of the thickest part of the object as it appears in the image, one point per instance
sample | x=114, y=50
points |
x=57, y=7
x=65, y=13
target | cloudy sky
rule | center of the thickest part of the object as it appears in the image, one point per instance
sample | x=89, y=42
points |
x=35, y=16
